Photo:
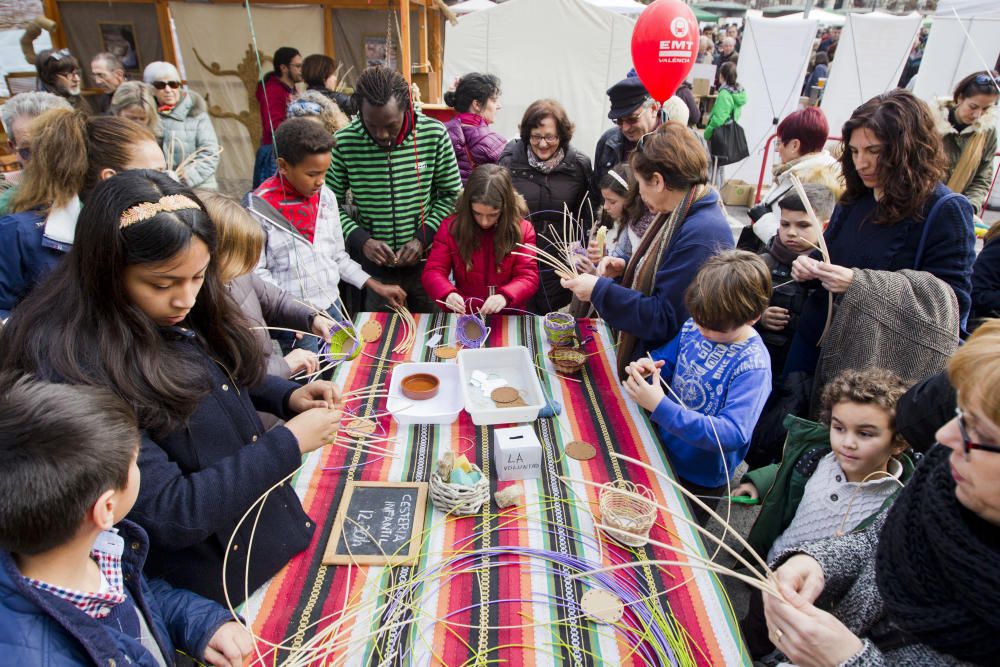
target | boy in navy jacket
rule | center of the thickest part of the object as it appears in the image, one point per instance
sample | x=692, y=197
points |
x=718, y=371
x=71, y=584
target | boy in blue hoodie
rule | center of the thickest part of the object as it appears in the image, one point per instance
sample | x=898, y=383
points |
x=71, y=584
x=719, y=373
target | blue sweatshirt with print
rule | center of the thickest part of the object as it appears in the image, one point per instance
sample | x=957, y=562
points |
x=721, y=385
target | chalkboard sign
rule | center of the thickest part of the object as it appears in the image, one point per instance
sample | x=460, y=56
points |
x=378, y=523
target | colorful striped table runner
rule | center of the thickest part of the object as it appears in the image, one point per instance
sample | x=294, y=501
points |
x=496, y=588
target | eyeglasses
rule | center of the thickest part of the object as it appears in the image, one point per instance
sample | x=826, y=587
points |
x=162, y=85
x=634, y=117
x=967, y=444
x=538, y=139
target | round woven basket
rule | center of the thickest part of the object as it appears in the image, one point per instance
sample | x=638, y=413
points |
x=342, y=343
x=630, y=517
x=460, y=500
x=470, y=331
x=567, y=359
x=559, y=327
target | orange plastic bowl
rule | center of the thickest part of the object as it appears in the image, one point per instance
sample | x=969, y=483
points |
x=420, y=386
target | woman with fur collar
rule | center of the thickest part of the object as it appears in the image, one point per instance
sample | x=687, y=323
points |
x=967, y=125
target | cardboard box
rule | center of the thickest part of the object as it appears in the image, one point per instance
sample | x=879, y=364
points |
x=517, y=453
x=738, y=193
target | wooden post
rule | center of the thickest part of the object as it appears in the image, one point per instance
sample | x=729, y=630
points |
x=329, y=46
x=51, y=10
x=166, y=34
x=436, y=58
x=405, y=59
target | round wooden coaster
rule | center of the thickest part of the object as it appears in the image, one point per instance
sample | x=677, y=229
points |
x=580, y=450
x=445, y=352
x=602, y=606
x=371, y=331
x=361, y=425
x=504, y=395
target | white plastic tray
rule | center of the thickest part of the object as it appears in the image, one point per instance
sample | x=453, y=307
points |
x=442, y=409
x=514, y=365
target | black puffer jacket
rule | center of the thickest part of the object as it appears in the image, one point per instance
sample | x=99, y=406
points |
x=545, y=194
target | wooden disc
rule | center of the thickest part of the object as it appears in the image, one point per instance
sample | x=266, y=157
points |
x=580, y=450
x=445, y=352
x=361, y=425
x=371, y=331
x=602, y=606
x=505, y=395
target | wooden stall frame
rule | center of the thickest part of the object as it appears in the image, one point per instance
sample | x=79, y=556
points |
x=429, y=45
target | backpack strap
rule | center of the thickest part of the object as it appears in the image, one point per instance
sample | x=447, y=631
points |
x=927, y=225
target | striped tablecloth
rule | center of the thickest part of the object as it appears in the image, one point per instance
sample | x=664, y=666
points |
x=494, y=588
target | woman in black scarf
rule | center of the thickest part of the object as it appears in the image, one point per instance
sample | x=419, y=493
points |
x=922, y=586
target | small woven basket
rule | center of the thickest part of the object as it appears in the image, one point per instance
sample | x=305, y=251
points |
x=471, y=331
x=567, y=359
x=559, y=326
x=455, y=499
x=630, y=517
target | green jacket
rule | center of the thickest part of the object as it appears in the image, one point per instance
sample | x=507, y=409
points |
x=728, y=104
x=955, y=142
x=781, y=485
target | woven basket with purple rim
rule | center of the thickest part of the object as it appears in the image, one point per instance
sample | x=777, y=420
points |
x=470, y=331
x=559, y=327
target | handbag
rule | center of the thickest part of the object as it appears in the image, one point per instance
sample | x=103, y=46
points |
x=729, y=142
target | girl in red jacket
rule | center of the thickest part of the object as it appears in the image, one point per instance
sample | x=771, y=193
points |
x=475, y=247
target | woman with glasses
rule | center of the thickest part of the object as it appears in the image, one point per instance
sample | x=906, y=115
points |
x=800, y=150
x=59, y=73
x=643, y=297
x=71, y=153
x=968, y=127
x=921, y=586
x=189, y=142
x=550, y=174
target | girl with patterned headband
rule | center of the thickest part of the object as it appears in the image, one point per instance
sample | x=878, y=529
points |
x=138, y=307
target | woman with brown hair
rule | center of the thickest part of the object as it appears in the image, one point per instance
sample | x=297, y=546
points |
x=967, y=124
x=322, y=74
x=643, y=297
x=550, y=174
x=70, y=153
x=895, y=214
x=476, y=246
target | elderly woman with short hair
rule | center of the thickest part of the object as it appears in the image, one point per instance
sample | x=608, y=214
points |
x=189, y=139
x=550, y=174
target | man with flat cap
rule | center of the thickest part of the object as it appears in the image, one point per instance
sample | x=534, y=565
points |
x=634, y=113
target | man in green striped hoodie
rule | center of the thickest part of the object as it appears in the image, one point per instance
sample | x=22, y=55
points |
x=400, y=168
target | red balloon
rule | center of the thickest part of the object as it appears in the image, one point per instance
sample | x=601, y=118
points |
x=664, y=46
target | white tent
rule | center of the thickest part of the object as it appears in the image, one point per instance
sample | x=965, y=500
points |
x=566, y=50
x=627, y=7
x=968, y=9
x=470, y=6
x=870, y=59
x=822, y=17
x=771, y=68
x=955, y=48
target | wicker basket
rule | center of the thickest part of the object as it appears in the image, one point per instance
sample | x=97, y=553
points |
x=559, y=326
x=456, y=499
x=567, y=359
x=630, y=517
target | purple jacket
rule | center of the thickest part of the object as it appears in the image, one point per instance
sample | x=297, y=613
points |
x=474, y=142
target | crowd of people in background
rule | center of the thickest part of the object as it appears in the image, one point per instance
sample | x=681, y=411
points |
x=135, y=299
